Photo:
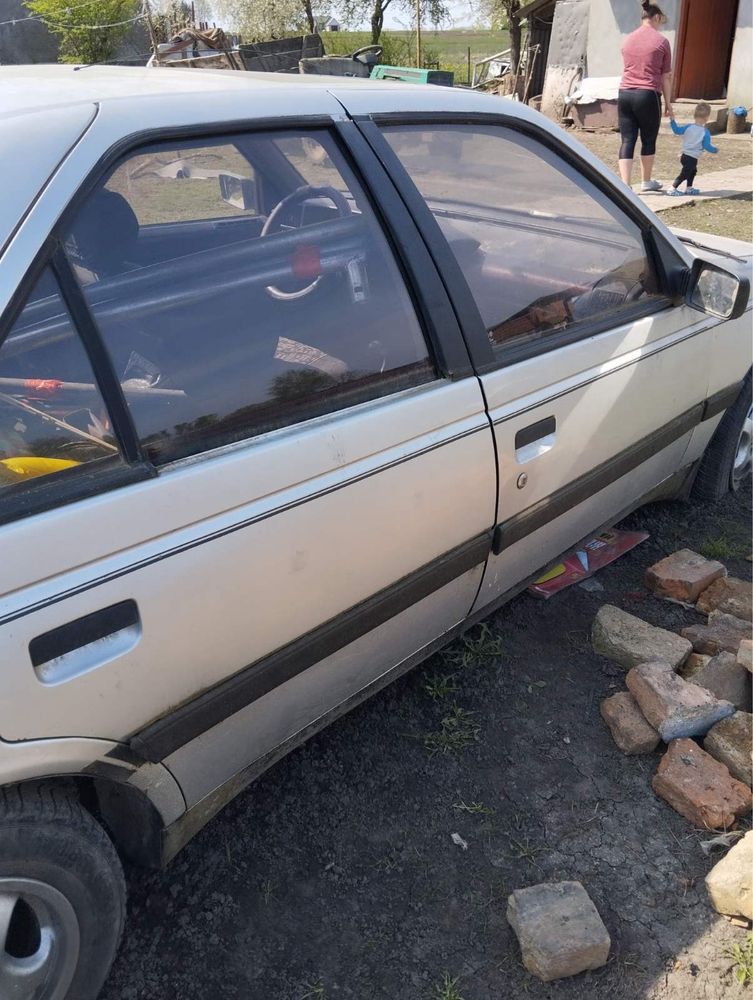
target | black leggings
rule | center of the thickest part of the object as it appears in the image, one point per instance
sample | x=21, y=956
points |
x=639, y=111
x=689, y=167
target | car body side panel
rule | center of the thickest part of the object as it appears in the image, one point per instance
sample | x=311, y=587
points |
x=228, y=748
x=259, y=554
x=641, y=378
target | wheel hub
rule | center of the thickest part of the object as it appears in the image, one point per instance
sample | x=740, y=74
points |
x=743, y=462
x=39, y=941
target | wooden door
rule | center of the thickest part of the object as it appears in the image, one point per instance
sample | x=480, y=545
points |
x=707, y=28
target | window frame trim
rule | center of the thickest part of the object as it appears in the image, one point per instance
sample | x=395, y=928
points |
x=424, y=286
x=661, y=255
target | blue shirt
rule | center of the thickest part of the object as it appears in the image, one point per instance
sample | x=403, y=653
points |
x=697, y=139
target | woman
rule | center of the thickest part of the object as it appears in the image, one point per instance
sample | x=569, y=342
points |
x=647, y=60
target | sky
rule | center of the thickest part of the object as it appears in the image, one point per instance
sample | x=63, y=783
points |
x=461, y=13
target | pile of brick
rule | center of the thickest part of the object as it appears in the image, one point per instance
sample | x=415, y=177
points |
x=685, y=688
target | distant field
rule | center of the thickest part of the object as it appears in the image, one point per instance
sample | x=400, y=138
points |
x=448, y=48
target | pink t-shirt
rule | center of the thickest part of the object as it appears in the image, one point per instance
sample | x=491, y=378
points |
x=646, y=56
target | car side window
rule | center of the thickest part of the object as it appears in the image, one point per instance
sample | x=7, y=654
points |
x=52, y=415
x=542, y=249
x=230, y=327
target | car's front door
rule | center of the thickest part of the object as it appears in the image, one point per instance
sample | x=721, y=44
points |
x=322, y=467
x=594, y=380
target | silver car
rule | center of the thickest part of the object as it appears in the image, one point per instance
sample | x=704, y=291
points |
x=299, y=378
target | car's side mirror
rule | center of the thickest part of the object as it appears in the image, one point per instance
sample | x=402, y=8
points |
x=240, y=192
x=717, y=291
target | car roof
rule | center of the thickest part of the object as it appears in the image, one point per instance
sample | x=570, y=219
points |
x=38, y=87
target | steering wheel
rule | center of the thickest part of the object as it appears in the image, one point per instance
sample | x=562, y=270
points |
x=376, y=50
x=274, y=220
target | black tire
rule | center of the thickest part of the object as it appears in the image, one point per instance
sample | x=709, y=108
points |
x=47, y=836
x=716, y=474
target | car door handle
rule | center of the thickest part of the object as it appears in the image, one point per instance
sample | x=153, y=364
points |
x=535, y=440
x=85, y=643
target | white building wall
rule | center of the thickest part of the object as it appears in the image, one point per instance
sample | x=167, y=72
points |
x=611, y=20
x=740, y=84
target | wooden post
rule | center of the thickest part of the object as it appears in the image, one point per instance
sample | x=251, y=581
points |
x=469, y=66
x=418, y=33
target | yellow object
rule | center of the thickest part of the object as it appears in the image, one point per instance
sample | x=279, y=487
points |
x=28, y=467
x=557, y=571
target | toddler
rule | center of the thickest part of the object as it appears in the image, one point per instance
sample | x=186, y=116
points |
x=697, y=138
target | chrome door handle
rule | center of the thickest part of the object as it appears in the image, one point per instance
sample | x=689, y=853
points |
x=535, y=440
x=85, y=643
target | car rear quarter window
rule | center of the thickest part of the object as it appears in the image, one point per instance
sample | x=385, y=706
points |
x=255, y=320
x=541, y=248
x=53, y=419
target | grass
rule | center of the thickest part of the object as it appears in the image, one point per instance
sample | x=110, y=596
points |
x=479, y=646
x=742, y=957
x=730, y=217
x=456, y=732
x=447, y=989
x=729, y=543
x=314, y=991
x=474, y=808
x=440, y=686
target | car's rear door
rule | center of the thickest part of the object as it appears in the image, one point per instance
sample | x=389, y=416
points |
x=317, y=463
x=594, y=380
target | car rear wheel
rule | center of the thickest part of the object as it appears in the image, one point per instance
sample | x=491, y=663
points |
x=728, y=460
x=62, y=897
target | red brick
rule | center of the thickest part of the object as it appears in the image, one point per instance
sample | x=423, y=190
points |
x=700, y=788
x=683, y=576
x=730, y=595
x=722, y=632
x=627, y=724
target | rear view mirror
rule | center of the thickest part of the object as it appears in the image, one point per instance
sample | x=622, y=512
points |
x=240, y=192
x=717, y=291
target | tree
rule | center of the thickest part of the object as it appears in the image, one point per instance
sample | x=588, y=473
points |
x=258, y=20
x=88, y=32
x=435, y=11
x=504, y=14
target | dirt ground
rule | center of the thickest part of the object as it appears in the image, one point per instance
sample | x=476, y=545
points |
x=335, y=876
x=731, y=217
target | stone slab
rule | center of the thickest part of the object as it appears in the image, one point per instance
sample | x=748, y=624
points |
x=745, y=655
x=725, y=679
x=629, y=640
x=700, y=788
x=723, y=632
x=673, y=706
x=559, y=930
x=730, y=881
x=731, y=743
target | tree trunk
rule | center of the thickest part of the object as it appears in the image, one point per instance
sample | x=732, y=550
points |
x=377, y=22
x=515, y=37
x=309, y=16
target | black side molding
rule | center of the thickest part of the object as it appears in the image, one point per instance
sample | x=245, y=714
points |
x=163, y=737
x=721, y=400
x=580, y=489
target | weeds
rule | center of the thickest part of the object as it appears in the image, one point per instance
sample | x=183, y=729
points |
x=474, y=808
x=447, y=989
x=729, y=543
x=267, y=889
x=742, y=956
x=475, y=649
x=439, y=686
x=457, y=731
x=314, y=991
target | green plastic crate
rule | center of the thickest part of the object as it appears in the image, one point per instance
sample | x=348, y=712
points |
x=410, y=74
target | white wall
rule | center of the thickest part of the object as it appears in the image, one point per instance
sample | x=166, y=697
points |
x=610, y=21
x=740, y=85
